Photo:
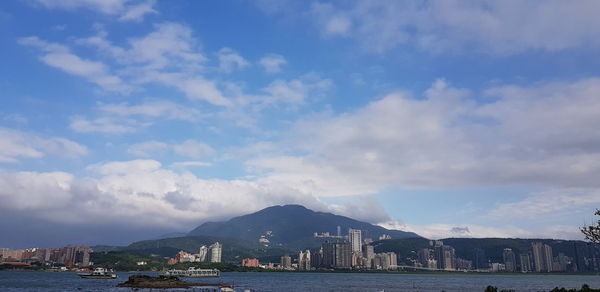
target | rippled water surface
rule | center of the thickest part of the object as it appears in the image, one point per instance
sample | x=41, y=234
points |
x=53, y=281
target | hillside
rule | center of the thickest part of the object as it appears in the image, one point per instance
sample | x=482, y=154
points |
x=292, y=226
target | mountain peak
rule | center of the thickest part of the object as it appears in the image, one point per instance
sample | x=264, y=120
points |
x=292, y=225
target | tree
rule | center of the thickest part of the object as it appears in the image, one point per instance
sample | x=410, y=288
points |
x=592, y=233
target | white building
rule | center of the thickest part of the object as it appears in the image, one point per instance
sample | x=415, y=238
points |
x=215, y=251
x=355, y=238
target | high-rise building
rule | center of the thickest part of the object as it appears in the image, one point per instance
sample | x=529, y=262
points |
x=481, y=260
x=286, y=262
x=510, y=262
x=337, y=255
x=355, y=238
x=445, y=256
x=339, y=231
x=385, y=261
x=202, y=253
x=525, y=260
x=215, y=250
x=368, y=253
x=316, y=258
x=304, y=260
x=542, y=257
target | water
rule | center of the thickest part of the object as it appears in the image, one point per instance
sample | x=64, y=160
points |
x=52, y=281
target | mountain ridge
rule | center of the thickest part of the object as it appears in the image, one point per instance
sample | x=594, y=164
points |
x=291, y=225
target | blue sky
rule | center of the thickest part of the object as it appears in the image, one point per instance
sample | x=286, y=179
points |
x=122, y=120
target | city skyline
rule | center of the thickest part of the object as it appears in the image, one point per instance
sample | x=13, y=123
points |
x=125, y=120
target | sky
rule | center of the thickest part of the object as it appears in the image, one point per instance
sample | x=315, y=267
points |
x=122, y=120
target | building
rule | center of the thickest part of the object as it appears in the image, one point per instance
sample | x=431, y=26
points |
x=368, y=253
x=337, y=255
x=385, y=261
x=304, y=260
x=481, y=261
x=510, y=261
x=251, y=263
x=316, y=258
x=286, y=262
x=542, y=257
x=355, y=238
x=525, y=261
x=215, y=251
x=202, y=253
x=445, y=256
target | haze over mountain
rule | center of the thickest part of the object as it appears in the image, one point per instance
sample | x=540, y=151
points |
x=292, y=225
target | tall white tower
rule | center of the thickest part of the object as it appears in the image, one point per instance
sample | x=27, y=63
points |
x=355, y=238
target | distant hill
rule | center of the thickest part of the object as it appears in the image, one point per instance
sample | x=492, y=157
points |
x=291, y=226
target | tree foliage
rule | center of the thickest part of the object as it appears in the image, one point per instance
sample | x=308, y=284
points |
x=592, y=233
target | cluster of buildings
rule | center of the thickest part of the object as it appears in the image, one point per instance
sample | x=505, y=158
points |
x=211, y=254
x=540, y=258
x=69, y=256
x=338, y=252
x=441, y=257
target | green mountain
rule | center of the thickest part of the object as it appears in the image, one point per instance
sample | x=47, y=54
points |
x=292, y=226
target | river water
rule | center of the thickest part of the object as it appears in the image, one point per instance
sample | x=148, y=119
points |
x=67, y=281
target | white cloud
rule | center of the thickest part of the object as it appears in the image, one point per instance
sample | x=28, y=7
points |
x=499, y=27
x=191, y=164
x=295, y=91
x=364, y=209
x=193, y=149
x=60, y=56
x=189, y=148
x=17, y=144
x=154, y=109
x=555, y=203
x=147, y=149
x=447, y=230
x=103, y=125
x=126, y=9
x=230, y=61
x=272, y=63
x=542, y=135
x=139, y=192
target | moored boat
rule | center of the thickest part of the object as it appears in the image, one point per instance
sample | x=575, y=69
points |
x=99, y=273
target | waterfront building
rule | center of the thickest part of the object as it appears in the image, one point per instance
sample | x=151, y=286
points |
x=368, y=254
x=337, y=255
x=385, y=261
x=252, y=263
x=542, y=257
x=445, y=256
x=355, y=238
x=202, y=253
x=316, y=258
x=525, y=260
x=481, y=260
x=509, y=259
x=215, y=251
x=286, y=262
x=304, y=260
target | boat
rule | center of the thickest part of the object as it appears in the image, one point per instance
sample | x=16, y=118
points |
x=193, y=273
x=99, y=273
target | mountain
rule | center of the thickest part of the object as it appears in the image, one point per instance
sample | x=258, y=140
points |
x=292, y=226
